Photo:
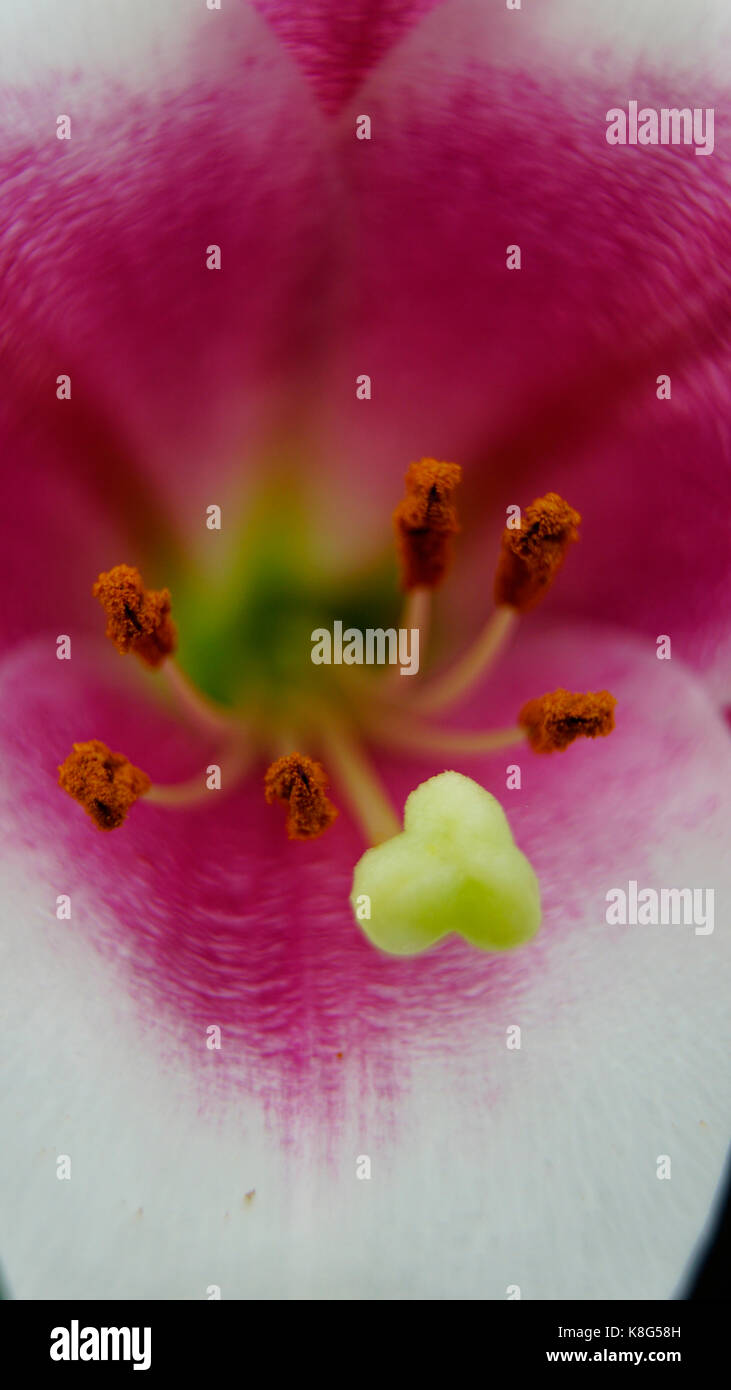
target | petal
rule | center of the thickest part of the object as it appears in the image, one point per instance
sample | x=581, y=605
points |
x=654, y=554
x=488, y=131
x=59, y=534
x=183, y=135
x=490, y=1166
x=335, y=49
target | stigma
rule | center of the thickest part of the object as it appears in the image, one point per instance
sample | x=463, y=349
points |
x=106, y=784
x=425, y=522
x=300, y=783
x=531, y=556
x=454, y=869
x=555, y=720
x=138, y=619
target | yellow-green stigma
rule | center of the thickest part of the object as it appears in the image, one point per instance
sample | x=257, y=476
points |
x=454, y=869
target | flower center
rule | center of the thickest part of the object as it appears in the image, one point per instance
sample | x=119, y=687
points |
x=248, y=645
x=247, y=673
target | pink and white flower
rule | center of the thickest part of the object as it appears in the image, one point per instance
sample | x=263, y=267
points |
x=490, y=1167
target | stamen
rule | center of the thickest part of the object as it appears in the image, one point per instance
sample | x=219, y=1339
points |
x=529, y=561
x=425, y=522
x=138, y=619
x=476, y=661
x=417, y=614
x=195, y=791
x=300, y=783
x=106, y=784
x=198, y=708
x=531, y=556
x=554, y=720
x=392, y=731
x=368, y=800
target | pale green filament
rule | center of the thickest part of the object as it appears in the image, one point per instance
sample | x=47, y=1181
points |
x=453, y=868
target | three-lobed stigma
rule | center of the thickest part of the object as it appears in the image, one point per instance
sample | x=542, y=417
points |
x=454, y=869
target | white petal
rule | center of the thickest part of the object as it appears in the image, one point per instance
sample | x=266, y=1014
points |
x=130, y=39
x=490, y=1167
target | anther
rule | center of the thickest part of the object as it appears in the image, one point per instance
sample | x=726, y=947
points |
x=425, y=522
x=531, y=556
x=138, y=619
x=553, y=721
x=105, y=783
x=300, y=783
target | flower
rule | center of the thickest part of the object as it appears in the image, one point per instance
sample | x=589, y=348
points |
x=491, y=1166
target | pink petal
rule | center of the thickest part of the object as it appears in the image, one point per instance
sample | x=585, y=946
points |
x=224, y=919
x=420, y=286
x=176, y=371
x=337, y=46
x=486, y=133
